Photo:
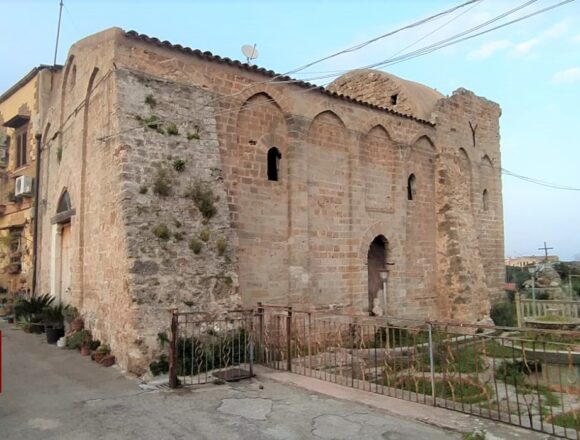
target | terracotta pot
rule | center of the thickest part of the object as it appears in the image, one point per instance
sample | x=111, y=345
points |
x=85, y=350
x=78, y=324
x=98, y=356
x=108, y=360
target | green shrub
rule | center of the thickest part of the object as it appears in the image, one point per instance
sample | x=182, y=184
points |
x=162, y=183
x=77, y=339
x=179, y=165
x=177, y=224
x=221, y=245
x=204, y=234
x=195, y=246
x=171, y=129
x=191, y=136
x=162, y=232
x=178, y=236
x=504, y=314
x=150, y=101
x=159, y=367
x=143, y=189
x=203, y=197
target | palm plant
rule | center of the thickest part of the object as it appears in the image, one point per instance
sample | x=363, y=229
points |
x=32, y=308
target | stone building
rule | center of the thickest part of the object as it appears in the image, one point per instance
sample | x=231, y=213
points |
x=21, y=110
x=175, y=178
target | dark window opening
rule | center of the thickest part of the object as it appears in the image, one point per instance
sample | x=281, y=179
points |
x=411, y=187
x=274, y=157
x=485, y=200
x=21, y=140
x=394, y=99
x=64, y=204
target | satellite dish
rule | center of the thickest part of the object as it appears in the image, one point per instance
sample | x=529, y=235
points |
x=250, y=52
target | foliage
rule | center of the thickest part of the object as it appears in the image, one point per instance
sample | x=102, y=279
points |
x=103, y=348
x=159, y=367
x=143, y=189
x=568, y=420
x=178, y=236
x=70, y=313
x=150, y=101
x=94, y=344
x=54, y=315
x=32, y=308
x=162, y=232
x=162, y=338
x=503, y=314
x=179, y=165
x=448, y=358
x=171, y=129
x=459, y=391
x=199, y=354
x=517, y=275
x=475, y=435
x=497, y=350
x=191, y=136
x=78, y=339
x=162, y=183
x=177, y=224
x=195, y=246
x=203, y=197
x=204, y=234
x=221, y=245
x=554, y=318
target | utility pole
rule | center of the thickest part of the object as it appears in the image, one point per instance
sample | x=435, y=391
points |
x=58, y=31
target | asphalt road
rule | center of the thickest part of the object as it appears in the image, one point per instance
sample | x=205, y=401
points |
x=52, y=393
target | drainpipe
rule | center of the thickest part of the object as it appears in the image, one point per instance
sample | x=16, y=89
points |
x=38, y=138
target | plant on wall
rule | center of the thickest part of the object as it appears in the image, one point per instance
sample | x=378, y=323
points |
x=179, y=165
x=150, y=101
x=204, y=234
x=162, y=183
x=171, y=129
x=203, y=197
x=192, y=135
x=221, y=245
x=162, y=232
x=195, y=246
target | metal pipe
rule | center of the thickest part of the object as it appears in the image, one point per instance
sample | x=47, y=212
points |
x=38, y=138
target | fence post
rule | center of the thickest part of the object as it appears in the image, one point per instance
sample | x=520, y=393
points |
x=289, y=338
x=260, y=333
x=432, y=363
x=173, y=350
x=518, y=309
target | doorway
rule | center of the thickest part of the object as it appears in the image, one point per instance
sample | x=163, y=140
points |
x=376, y=263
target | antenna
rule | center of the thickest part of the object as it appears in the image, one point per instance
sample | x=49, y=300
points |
x=250, y=52
x=58, y=31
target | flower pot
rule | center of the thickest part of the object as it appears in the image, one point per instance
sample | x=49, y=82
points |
x=107, y=361
x=37, y=328
x=85, y=350
x=53, y=334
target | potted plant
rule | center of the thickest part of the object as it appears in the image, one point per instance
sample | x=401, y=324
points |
x=32, y=309
x=53, y=318
x=76, y=340
x=102, y=351
x=25, y=325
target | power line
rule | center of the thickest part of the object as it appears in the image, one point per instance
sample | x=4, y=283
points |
x=539, y=182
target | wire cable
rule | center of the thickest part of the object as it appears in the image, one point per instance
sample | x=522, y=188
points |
x=538, y=181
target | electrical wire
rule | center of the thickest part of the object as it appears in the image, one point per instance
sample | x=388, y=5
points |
x=538, y=181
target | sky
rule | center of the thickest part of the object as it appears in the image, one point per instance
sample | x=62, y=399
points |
x=531, y=68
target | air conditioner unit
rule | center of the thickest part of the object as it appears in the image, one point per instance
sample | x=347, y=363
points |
x=23, y=186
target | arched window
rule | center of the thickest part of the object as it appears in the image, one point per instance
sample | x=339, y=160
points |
x=64, y=210
x=485, y=200
x=411, y=187
x=274, y=157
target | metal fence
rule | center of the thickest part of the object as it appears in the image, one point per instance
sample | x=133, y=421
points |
x=530, y=310
x=525, y=377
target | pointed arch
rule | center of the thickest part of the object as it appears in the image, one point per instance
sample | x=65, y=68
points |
x=328, y=130
x=486, y=161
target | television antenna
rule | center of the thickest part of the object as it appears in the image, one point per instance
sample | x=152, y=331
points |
x=250, y=52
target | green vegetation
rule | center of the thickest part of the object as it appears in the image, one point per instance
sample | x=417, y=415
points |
x=78, y=339
x=203, y=197
x=177, y=223
x=554, y=318
x=568, y=420
x=159, y=367
x=195, y=246
x=191, y=136
x=178, y=236
x=458, y=391
x=162, y=183
x=150, y=101
x=162, y=232
x=143, y=189
x=172, y=130
x=497, y=350
x=179, y=165
x=221, y=245
x=475, y=435
x=204, y=234
x=504, y=314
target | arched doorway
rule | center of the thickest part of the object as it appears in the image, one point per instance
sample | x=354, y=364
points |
x=61, y=249
x=377, y=263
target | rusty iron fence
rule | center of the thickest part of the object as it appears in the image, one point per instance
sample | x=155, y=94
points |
x=525, y=377
x=206, y=349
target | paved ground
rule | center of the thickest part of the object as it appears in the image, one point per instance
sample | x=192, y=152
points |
x=52, y=393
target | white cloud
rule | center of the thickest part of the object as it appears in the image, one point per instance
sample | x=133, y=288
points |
x=488, y=49
x=527, y=46
x=557, y=30
x=567, y=76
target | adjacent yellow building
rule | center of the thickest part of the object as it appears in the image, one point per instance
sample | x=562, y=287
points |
x=21, y=113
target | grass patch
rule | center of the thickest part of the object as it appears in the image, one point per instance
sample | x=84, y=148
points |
x=497, y=350
x=162, y=232
x=162, y=183
x=568, y=420
x=195, y=246
x=463, y=392
x=203, y=197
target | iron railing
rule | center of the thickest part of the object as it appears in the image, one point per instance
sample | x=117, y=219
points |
x=525, y=377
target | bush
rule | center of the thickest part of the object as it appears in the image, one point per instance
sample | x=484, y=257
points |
x=221, y=245
x=195, y=246
x=203, y=197
x=162, y=183
x=159, y=367
x=179, y=165
x=172, y=130
x=504, y=314
x=162, y=232
x=78, y=339
x=204, y=234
